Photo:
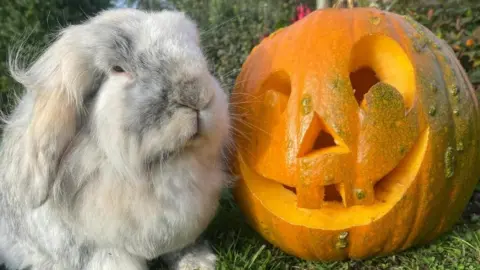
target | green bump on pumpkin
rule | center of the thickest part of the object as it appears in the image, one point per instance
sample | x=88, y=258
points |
x=338, y=83
x=456, y=112
x=343, y=235
x=420, y=44
x=460, y=146
x=432, y=111
x=342, y=241
x=434, y=45
x=375, y=20
x=341, y=244
x=306, y=104
x=454, y=90
x=449, y=162
x=421, y=40
x=360, y=194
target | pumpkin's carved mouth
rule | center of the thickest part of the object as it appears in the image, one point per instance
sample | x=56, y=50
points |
x=281, y=200
x=331, y=193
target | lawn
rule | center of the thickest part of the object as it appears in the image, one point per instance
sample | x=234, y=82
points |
x=239, y=247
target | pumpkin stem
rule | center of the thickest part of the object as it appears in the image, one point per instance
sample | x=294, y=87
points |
x=341, y=3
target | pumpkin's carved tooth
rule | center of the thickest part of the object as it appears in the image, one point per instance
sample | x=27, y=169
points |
x=309, y=195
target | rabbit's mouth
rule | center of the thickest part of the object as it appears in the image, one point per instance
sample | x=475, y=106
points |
x=196, y=134
x=201, y=130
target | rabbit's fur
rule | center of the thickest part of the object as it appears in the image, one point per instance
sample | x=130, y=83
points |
x=104, y=168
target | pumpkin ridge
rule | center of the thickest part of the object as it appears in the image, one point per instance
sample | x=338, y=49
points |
x=403, y=29
x=461, y=131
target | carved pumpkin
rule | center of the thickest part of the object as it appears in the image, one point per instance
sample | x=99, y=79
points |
x=357, y=135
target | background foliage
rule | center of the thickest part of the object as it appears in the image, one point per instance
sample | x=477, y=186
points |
x=230, y=29
x=34, y=23
x=456, y=22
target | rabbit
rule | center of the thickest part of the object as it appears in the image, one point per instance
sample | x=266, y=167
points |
x=114, y=154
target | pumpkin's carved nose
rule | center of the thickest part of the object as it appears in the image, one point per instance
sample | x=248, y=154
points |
x=318, y=137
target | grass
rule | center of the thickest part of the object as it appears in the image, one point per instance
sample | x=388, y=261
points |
x=239, y=248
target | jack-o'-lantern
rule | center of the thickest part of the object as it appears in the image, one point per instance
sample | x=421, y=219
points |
x=356, y=135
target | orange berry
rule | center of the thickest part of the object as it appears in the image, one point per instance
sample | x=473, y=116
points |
x=469, y=43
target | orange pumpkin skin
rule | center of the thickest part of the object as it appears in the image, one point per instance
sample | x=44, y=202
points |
x=403, y=161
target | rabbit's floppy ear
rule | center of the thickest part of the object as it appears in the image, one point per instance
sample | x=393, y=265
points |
x=57, y=81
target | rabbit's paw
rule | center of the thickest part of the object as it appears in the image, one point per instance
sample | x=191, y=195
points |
x=195, y=262
x=107, y=259
x=196, y=257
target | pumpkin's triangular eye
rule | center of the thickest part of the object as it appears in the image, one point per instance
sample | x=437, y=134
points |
x=324, y=140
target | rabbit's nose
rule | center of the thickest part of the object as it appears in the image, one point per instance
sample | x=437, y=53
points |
x=195, y=93
x=196, y=100
x=189, y=100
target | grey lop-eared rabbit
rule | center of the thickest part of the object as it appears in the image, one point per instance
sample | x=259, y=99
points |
x=113, y=155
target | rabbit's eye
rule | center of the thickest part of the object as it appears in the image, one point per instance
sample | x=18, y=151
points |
x=118, y=69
